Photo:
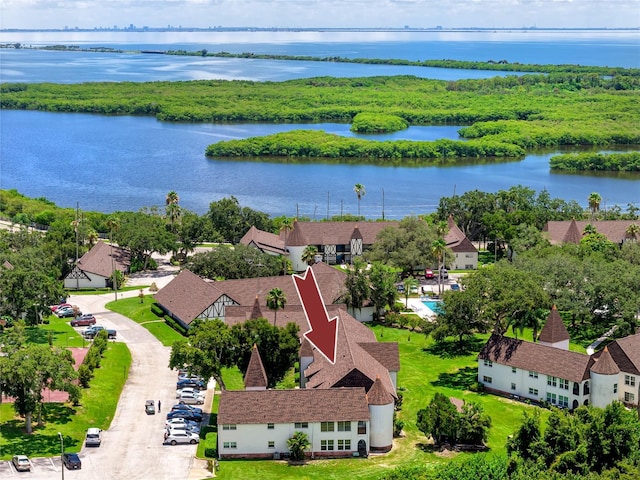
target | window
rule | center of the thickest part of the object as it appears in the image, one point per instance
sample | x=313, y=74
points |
x=551, y=398
x=585, y=389
x=513, y=386
x=486, y=379
x=630, y=380
x=344, y=426
x=327, y=426
x=344, y=444
x=270, y=426
x=563, y=401
x=576, y=388
x=488, y=363
x=228, y=427
x=362, y=428
x=301, y=425
x=326, y=444
x=513, y=369
x=564, y=384
x=533, y=374
x=272, y=444
x=229, y=445
x=552, y=381
x=533, y=391
x=615, y=388
x=629, y=397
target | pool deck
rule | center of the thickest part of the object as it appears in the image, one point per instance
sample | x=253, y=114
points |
x=421, y=309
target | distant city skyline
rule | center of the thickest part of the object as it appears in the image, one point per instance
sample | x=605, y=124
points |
x=122, y=14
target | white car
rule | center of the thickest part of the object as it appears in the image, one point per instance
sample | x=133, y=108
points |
x=174, y=437
x=188, y=427
x=179, y=421
x=191, y=398
x=189, y=390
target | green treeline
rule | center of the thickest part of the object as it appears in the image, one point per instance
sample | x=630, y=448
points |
x=610, y=162
x=319, y=144
x=505, y=116
x=377, y=123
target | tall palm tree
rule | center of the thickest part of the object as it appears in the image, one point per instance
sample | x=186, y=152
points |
x=174, y=213
x=594, y=203
x=309, y=254
x=632, y=231
x=360, y=192
x=439, y=250
x=409, y=284
x=172, y=198
x=113, y=223
x=276, y=300
x=286, y=226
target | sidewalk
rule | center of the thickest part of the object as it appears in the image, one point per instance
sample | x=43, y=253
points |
x=592, y=348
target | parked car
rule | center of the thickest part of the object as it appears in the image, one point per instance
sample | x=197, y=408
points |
x=180, y=421
x=198, y=384
x=184, y=375
x=444, y=274
x=180, y=436
x=189, y=408
x=187, y=415
x=192, y=390
x=192, y=398
x=71, y=461
x=189, y=427
x=92, y=331
x=68, y=312
x=55, y=308
x=428, y=274
x=93, y=438
x=83, y=320
x=21, y=463
x=150, y=407
x=455, y=287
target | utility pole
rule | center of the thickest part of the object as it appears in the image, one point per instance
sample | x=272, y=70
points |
x=77, y=225
x=383, y=204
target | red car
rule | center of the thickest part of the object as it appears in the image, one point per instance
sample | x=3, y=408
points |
x=428, y=274
x=83, y=320
x=54, y=308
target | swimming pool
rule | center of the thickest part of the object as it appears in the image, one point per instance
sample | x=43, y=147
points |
x=434, y=305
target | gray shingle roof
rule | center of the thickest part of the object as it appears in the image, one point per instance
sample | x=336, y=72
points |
x=255, y=375
x=102, y=258
x=614, y=230
x=554, y=329
x=605, y=365
x=265, y=241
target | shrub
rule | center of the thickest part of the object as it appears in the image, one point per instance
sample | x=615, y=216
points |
x=175, y=325
x=155, y=309
x=84, y=375
x=210, y=447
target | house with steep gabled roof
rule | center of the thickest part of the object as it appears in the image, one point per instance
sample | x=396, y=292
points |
x=255, y=378
x=266, y=242
x=572, y=231
x=95, y=268
x=465, y=253
x=549, y=371
x=189, y=296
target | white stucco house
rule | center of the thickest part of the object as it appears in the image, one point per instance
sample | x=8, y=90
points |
x=346, y=409
x=548, y=371
x=95, y=268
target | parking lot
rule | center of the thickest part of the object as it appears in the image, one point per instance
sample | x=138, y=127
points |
x=40, y=468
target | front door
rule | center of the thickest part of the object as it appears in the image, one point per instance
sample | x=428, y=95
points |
x=362, y=448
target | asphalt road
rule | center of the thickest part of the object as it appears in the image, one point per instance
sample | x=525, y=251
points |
x=132, y=448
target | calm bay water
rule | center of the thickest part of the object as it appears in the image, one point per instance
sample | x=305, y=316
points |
x=125, y=163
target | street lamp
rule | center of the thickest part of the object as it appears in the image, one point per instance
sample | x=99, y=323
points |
x=61, y=454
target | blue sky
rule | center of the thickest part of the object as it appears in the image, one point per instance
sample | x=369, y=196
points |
x=319, y=13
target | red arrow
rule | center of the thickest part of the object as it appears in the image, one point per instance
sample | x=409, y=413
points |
x=324, y=331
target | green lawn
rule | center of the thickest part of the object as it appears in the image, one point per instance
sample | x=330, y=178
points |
x=141, y=313
x=59, y=331
x=425, y=369
x=97, y=408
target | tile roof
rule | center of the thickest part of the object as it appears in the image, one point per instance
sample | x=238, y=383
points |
x=102, y=258
x=605, y=365
x=265, y=241
x=187, y=296
x=353, y=362
x=538, y=358
x=335, y=233
x=378, y=395
x=290, y=406
x=554, y=329
x=614, y=230
x=255, y=375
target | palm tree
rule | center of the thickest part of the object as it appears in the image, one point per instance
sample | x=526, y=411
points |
x=409, y=283
x=439, y=250
x=174, y=212
x=297, y=444
x=589, y=229
x=172, y=198
x=632, y=231
x=594, y=203
x=113, y=222
x=276, y=300
x=360, y=192
x=309, y=254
